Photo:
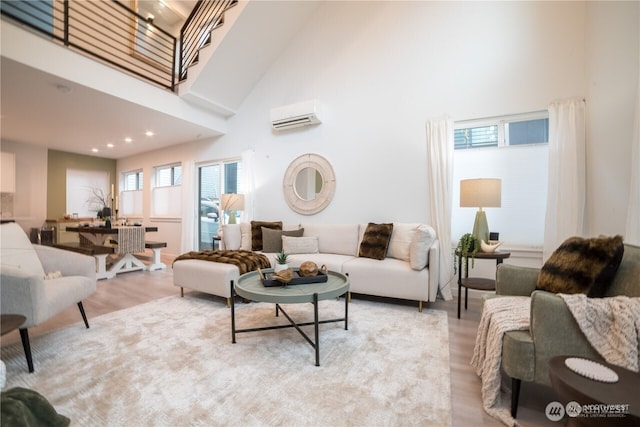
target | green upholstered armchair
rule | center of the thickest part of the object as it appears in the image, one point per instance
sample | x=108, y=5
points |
x=39, y=282
x=553, y=331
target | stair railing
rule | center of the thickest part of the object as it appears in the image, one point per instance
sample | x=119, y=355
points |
x=108, y=31
x=196, y=31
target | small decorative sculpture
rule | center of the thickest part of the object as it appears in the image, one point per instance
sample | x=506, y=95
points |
x=283, y=276
x=488, y=247
x=308, y=269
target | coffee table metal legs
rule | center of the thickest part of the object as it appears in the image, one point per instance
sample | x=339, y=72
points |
x=292, y=323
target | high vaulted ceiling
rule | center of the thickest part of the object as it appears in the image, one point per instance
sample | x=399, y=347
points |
x=61, y=100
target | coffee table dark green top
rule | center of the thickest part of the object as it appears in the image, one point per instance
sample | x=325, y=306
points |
x=250, y=286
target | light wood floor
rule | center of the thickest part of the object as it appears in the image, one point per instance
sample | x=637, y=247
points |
x=127, y=290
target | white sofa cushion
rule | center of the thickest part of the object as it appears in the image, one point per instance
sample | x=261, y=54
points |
x=16, y=250
x=422, y=240
x=245, y=231
x=341, y=239
x=231, y=236
x=333, y=262
x=205, y=276
x=389, y=277
x=400, y=242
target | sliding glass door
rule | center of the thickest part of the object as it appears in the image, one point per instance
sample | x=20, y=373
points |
x=215, y=179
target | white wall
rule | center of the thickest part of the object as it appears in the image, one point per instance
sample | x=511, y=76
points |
x=381, y=69
x=613, y=47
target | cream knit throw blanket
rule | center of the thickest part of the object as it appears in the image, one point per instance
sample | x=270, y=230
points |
x=611, y=325
x=499, y=315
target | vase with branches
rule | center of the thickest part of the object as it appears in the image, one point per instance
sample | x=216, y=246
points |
x=100, y=202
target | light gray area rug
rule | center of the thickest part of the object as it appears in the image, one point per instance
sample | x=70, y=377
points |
x=170, y=362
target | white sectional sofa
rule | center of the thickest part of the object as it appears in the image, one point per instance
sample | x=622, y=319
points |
x=408, y=271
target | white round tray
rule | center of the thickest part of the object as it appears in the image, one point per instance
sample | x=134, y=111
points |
x=592, y=370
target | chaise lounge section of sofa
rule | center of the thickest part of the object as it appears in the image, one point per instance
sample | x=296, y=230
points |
x=408, y=270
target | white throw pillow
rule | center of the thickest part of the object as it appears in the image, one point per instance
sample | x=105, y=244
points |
x=245, y=230
x=16, y=250
x=400, y=242
x=231, y=236
x=300, y=245
x=423, y=238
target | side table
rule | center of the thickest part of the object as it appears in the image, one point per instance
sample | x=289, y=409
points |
x=601, y=404
x=215, y=243
x=478, y=283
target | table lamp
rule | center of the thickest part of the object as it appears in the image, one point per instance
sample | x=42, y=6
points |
x=232, y=203
x=481, y=193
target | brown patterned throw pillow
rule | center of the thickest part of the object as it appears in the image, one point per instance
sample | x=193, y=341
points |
x=582, y=265
x=376, y=240
x=256, y=232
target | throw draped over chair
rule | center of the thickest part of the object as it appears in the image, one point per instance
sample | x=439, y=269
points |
x=39, y=282
x=553, y=331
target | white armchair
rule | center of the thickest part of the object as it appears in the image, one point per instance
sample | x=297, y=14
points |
x=39, y=282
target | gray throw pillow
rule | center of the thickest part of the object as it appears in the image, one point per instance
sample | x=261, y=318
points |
x=272, y=239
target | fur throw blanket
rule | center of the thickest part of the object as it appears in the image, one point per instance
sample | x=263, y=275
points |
x=246, y=261
x=611, y=325
x=499, y=315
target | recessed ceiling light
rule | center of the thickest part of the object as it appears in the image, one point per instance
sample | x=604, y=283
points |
x=63, y=88
x=95, y=150
x=128, y=139
x=149, y=133
x=110, y=145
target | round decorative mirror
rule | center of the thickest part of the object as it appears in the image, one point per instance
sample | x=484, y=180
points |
x=309, y=184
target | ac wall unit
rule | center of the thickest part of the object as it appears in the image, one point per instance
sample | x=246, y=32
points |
x=295, y=115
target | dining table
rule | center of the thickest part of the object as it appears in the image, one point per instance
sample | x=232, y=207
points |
x=126, y=242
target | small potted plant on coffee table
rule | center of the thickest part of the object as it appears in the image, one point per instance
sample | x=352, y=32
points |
x=281, y=262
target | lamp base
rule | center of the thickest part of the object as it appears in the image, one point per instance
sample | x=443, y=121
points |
x=480, y=227
x=232, y=217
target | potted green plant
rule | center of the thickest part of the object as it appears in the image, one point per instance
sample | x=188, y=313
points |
x=281, y=262
x=467, y=247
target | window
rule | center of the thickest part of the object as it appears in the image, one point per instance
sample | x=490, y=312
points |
x=214, y=179
x=515, y=149
x=132, y=180
x=167, y=191
x=168, y=175
x=130, y=203
x=521, y=129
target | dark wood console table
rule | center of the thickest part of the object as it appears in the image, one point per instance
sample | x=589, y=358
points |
x=478, y=283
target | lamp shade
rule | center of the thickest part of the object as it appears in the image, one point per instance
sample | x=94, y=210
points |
x=232, y=202
x=481, y=193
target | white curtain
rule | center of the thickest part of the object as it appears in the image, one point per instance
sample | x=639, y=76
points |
x=188, y=196
x=567, y=177
x=632, y=234
x=248, y=185
x=440, y=167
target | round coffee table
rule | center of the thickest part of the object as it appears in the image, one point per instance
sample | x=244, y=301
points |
x=621, y=395
x=250, y=286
